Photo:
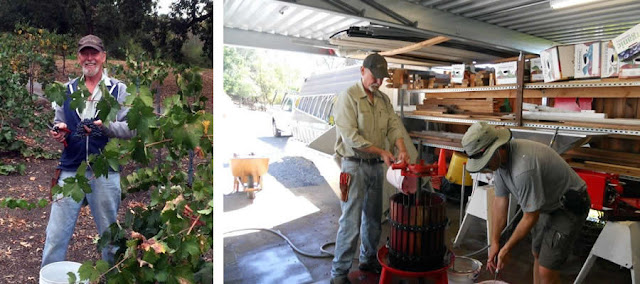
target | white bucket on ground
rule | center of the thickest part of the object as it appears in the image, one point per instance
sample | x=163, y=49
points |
x=465, y=270
x=56, y=273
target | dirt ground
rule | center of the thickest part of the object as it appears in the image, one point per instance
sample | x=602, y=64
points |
x=22, y=232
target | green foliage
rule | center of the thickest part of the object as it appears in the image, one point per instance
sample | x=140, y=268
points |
x=8, y=169
x=26, y=54
x=237, y=66
x=248, y=74
x=122, y=24
x=13, y=203
x=38, y=152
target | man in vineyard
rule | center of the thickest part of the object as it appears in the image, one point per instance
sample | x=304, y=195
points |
x=83, y=135
x=365, y=122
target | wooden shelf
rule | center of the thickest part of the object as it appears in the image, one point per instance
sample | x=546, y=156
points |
x=605, y=88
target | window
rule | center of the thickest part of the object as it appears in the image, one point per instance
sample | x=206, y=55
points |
x=287, y=105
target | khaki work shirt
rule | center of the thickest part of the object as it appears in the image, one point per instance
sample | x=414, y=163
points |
x=361, y=123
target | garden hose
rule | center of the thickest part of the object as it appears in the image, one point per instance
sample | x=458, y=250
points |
x=502, y=233
x=323, y=253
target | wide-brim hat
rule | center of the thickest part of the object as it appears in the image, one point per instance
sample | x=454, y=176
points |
x=480, y=142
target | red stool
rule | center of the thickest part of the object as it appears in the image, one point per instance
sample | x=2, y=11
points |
x=438, y=276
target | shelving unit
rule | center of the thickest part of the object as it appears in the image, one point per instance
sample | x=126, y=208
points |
x=617, y=98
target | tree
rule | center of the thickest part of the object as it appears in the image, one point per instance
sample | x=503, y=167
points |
x=187, y=17
x=237, y=67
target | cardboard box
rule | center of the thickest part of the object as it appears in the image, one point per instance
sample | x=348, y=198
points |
x=587, y=60
x=457, y=73
x=627, y=44
x=558, y=63
x=609, y=64
x=535, y=72
x=630, y=68
x=506, y=73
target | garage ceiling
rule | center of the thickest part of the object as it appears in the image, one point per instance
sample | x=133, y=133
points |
x=478, y=30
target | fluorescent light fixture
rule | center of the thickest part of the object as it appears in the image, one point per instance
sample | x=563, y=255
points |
x=559, y=4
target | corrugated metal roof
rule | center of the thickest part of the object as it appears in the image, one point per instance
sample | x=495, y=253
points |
x=481, y=30
x=280, y=18
x=602, y=20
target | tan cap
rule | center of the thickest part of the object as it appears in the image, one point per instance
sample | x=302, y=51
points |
x=90, y=41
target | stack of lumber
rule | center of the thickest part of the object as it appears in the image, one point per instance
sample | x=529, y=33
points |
x=439, y=138
x=411, y=79
x=398, y=78
x=434, y=106
x=623, y=163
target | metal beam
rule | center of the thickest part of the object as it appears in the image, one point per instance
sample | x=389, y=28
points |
x=345, y=7
x=435, y=22
x=390, y=13
x=273, y=41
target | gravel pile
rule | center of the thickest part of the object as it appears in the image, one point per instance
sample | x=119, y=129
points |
x=293, y=172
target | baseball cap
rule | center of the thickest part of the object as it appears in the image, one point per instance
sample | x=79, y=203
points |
x=480, y=142
x=90, y=41
x=377, y=64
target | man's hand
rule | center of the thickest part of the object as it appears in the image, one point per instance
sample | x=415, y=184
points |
x=503, y=256
x=59, y=135
x=494, y=250
x=98, y=123
x=403, y=156
x=387, y=157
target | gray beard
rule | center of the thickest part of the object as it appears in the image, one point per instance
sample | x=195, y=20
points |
x=373, y=88
x=88, y=73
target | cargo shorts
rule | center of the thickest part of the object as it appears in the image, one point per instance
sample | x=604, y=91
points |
x=554, y=234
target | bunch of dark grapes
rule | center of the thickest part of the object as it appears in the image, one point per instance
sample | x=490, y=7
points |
x=95, y=130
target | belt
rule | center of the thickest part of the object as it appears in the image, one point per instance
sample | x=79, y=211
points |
x=367, y=161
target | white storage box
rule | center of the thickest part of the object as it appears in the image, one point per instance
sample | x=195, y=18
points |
x=557, y=63
x=609, y=60
x=457, y=73
x=587, y=60
x=506, y=73
x=536, y=70
x=630, y=68
x=627, y=44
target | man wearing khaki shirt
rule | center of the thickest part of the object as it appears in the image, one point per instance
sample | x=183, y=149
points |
x=365, y=121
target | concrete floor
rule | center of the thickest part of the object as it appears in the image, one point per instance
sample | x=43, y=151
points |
x=308, y=216
x=263, y=257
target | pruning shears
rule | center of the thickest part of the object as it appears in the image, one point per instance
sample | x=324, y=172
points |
x=57, y=129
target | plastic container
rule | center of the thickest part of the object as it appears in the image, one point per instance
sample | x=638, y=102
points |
x=493, y=282
x=465, y=270
x=56, y=273
x=454, y=174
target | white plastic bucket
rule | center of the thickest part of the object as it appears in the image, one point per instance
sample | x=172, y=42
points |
x=465, y=270
x=56, y=273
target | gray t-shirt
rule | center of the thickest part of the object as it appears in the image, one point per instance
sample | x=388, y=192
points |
x=536, y=175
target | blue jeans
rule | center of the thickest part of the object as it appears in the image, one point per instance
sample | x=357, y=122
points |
x=361, y=215
x=103, y=200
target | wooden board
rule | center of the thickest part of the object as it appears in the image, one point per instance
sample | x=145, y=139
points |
x=607, y=168
x=471, y=105
x=600, y=92
x=605, y=156
x=416, y=46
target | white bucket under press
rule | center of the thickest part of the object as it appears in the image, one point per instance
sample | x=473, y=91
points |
x=464, y=270
x=56, y=273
